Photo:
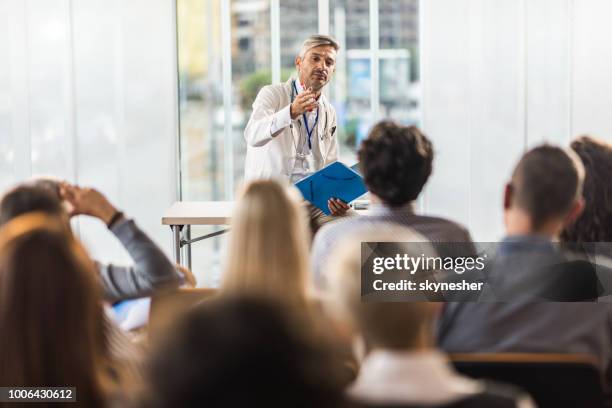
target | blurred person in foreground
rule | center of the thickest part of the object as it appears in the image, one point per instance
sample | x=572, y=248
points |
x=51, y=314
x=402, y=367
x=236, y=352
x=543, y=196
x=151, y=269
x=595, y=221
x=396, y=162
x=591, y=234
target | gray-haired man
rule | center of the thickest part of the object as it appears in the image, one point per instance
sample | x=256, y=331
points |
x=292, y=130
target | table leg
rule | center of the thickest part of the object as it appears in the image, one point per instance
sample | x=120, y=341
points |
x=188, y=245
x=176, y=247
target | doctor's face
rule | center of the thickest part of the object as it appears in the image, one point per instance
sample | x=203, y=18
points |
x=317, y=67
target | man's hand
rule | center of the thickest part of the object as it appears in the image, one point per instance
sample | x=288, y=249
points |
x=304, y=102
x=189, y=277
x=87, y=201
x=337, y=206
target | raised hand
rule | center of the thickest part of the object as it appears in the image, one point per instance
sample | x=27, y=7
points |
x=304, y=102
x=87, y=201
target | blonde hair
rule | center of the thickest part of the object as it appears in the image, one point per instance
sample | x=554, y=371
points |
x=268, y=249
x=394, y=325
x=316, y=41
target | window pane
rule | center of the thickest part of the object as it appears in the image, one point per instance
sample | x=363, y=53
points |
x=356, y=24
x=201, y=119
x=202, y=113
x=250, y=68
x=399, y=64
x=299, y=19
x=350, y=90
x=201, y=99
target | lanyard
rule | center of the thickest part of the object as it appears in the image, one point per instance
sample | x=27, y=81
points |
x=308, y=131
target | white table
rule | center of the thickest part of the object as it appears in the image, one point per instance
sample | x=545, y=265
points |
x=183, y=214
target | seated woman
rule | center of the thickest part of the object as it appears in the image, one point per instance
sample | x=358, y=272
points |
x=593, y=224
x=51, y=314
x=591, y=234
x=268, y=245
x=151, y=269
x=268, y=257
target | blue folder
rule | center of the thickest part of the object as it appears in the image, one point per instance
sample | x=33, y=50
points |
x=335, y=180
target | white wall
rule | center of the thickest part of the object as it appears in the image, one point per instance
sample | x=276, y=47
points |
x=500, y=76
x=88, y=93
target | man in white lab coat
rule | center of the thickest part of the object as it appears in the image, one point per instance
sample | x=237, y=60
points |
x=292, y=131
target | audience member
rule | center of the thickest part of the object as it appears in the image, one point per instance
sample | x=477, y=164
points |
x=542, y=197
x=151, y=270
x=402, y=367
x=242, y=352
x=268, y=244
x=593, y=224
x=396, y=162
x=268, y=257
x=51, y=315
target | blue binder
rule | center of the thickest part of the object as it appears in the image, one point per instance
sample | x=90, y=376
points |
x=335, y=180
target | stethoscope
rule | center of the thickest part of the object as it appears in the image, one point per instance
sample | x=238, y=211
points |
x=309, y=132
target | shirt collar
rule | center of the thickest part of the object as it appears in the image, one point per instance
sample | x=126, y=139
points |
x=384, y=209
x=525, y=243
x=418, y=377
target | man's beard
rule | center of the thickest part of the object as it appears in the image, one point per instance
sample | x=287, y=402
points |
x=309, y=83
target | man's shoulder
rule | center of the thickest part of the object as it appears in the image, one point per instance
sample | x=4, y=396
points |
x=432, y=227
x=439, y=228
x=333, y=228
x=273, y=89
x=356, y=226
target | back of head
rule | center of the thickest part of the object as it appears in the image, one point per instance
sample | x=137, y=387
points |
x=268, y=250
x=27, y=198
x=50, y=184
x=390, y=325
x=593, y=225
x=239, y=352
x=50, y=309
x=546, y=183
x=396, y=162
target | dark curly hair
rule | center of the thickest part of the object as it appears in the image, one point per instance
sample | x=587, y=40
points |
x=396, y=162
x=593, y=225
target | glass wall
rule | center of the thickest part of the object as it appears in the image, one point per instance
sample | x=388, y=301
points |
x=227, y=51
x=351, y=92
x=213, y=117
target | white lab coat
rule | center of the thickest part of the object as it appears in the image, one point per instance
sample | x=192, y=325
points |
x=273, y=155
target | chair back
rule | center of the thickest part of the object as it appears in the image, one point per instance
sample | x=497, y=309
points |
x=553, y=380
x=167, y=306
